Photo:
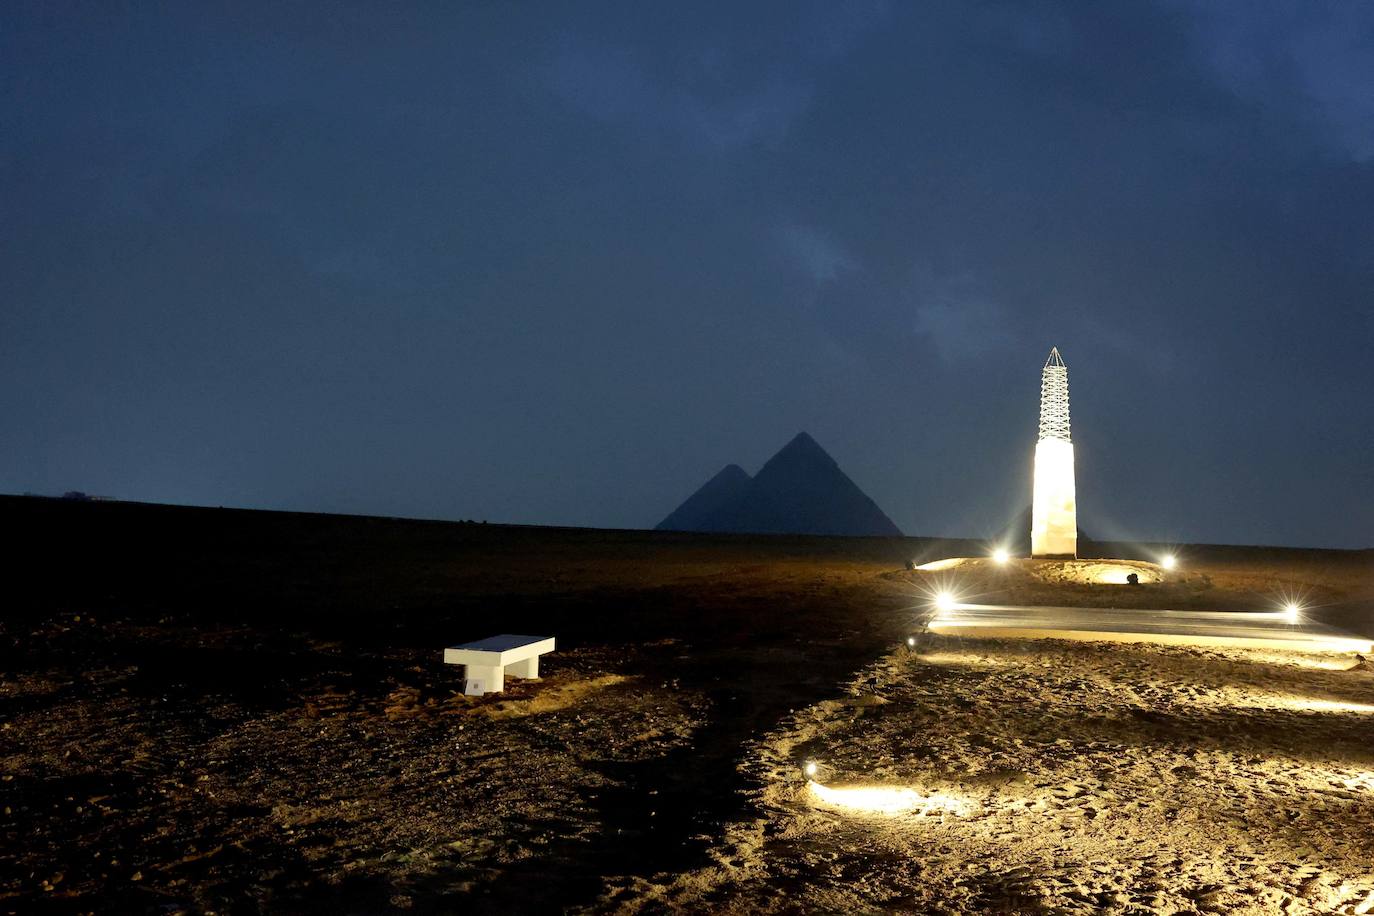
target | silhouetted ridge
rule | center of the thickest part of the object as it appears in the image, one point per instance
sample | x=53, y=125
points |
x=713, y=496
x=800, y=490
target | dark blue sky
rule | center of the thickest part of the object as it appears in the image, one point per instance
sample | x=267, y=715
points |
x=558, y=263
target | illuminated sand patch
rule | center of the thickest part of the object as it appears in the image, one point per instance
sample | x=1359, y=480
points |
x=1343, y=662
x=887, y=800
x=1209, y=629
x=1249, y=699
x=1079, y=778
x=1095, y=572
x=1117, y=573
x=552, y=696
x=1364, y=781
x=1304, y=704
x=963, y=660
x=947, y=563
x=1056, y=572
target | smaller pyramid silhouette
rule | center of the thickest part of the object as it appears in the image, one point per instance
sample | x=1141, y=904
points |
x=714, y=496
x=800, y=490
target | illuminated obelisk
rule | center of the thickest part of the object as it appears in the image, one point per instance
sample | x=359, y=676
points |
x=1054, y=514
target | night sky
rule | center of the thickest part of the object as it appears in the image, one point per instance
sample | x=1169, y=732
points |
x=559, y=263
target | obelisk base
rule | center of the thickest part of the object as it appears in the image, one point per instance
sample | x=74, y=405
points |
x=1054, y=512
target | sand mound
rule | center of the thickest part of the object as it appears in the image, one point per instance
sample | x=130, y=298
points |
x=1095, y=572
x=1055, y=572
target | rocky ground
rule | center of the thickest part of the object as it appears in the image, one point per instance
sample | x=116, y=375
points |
x=207, y=711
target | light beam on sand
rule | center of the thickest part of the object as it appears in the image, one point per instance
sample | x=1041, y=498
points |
x=964, y=659
x=1242, y=698
x=887, y=800
x=1235, y=629
x=938, y=565
x=1316, y=662
x=1363, y=780
x=1333, y=706
x=1307, y=704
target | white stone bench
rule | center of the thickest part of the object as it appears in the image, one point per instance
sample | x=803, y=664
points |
x=487, y=661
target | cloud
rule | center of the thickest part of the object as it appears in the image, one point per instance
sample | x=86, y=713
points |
x=610, y=83
x=722, y=85
x=816, y=252
x=1317, y=57
x=963, y=328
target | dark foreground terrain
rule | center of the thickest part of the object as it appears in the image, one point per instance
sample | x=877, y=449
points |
x=217, y=710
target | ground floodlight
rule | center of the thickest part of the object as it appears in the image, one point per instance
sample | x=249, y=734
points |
x=810, y=768
x=1000, y=555
x=911, y=642
x=1292, y=611
x=1168, y=561
x=944, y=601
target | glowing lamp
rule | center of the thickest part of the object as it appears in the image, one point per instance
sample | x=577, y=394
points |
x=1292, y=612
x=1168, y=561
x=1001, y=556
x=944, y=601
x=810, y=769
x=911, y=642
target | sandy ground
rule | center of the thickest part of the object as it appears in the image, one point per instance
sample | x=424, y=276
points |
x=207, y=711
x=1058, y=777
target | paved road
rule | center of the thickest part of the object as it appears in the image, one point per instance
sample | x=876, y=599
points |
x=1355, y=616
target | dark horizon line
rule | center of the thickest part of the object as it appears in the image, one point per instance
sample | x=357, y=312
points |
x=109, y=500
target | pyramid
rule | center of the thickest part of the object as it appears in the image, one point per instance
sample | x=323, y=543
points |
x=715, y=494
x=800, y=490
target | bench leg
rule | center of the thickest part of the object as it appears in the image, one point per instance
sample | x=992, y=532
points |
x=491, y=678
x=527, y=668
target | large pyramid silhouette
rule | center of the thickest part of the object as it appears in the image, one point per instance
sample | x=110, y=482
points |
x=801, y=490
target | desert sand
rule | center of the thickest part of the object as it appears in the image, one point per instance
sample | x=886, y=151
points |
x=209, y=710
x=1007, y=776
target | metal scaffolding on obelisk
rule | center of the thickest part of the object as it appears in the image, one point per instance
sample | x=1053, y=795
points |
x=1054, y=514
x=1054, y=398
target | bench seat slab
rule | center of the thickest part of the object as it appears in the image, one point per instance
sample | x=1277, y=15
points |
x=487, y=661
